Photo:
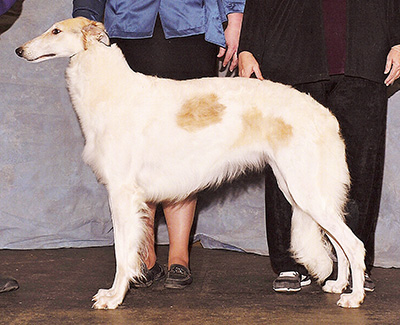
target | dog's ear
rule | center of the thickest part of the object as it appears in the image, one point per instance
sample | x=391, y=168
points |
x=103, y=37
x=94, y=32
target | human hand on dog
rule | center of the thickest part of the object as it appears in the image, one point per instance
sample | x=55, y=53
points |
x=393, y=65
x=232, y=34
x=249, y=65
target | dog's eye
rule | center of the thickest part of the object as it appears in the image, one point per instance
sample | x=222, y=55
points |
x=56, y=31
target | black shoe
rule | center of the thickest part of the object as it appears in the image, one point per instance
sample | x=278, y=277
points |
x=290, y=281
x=8, y=284
x=369, y=284
x=178, y=277
x=149, y=276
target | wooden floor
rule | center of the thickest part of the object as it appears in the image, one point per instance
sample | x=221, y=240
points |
x=56, y=287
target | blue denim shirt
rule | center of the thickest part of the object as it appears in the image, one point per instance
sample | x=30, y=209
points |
x=179, y=18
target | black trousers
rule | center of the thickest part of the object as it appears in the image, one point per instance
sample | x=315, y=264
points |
x=361, y=108
x=178, y=58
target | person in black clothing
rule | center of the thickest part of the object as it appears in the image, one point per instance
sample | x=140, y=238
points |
x=343, y=53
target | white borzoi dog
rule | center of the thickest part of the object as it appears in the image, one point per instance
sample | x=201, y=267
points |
x=153, y=140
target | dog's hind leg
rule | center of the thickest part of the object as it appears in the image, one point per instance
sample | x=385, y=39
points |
x=128, y=214
x=307, y=244
x=338, y=285
x=353, y=249
x=330, y=220
x=316, y=182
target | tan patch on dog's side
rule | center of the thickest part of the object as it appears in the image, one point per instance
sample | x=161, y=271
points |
x=257, y=128
x=199, y=112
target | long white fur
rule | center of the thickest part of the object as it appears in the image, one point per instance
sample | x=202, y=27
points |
x=141, y=150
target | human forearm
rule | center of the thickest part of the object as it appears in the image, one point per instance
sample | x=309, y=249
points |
x=91, y=9
x=232, y=34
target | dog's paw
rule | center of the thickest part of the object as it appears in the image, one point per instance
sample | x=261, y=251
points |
x=107, y=299
x=333, y=286
x=351, y=300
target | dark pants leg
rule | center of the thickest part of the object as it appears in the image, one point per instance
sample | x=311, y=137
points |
x=360, y=107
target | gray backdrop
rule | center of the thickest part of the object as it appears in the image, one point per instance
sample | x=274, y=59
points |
x=50, y=199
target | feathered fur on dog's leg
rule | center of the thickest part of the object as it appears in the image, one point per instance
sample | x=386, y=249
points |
x=353, y=249
x=311, y=249
x=338, y=285
x=128, y=213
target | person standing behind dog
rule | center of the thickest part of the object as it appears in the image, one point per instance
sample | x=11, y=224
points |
x=343, y=53
x=171, y=39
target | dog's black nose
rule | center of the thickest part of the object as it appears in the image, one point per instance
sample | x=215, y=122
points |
x=20, y=51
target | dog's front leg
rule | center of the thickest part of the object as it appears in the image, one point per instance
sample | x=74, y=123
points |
x=128, y=214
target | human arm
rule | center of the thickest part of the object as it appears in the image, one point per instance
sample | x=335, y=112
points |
x=91, y=9
x=232, y=35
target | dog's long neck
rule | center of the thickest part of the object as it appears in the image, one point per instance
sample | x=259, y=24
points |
x=97, y=63
x=95, y=73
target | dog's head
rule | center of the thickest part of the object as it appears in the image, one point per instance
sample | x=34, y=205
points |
x=63, y=39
